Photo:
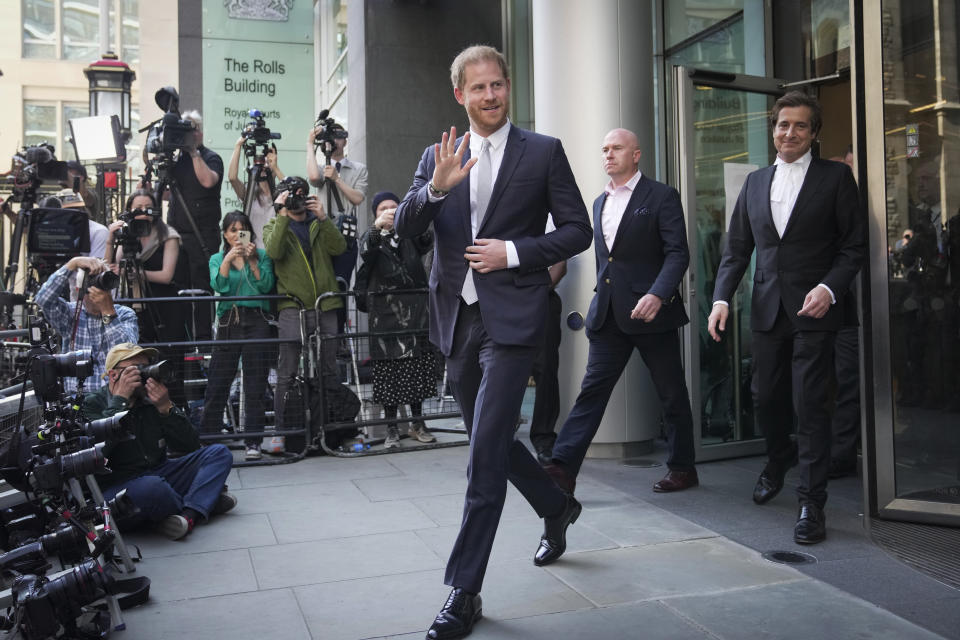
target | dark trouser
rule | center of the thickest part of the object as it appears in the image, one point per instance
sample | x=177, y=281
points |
x=289, y=362
x=792, y=371
x=198, y=264
x=488, y=381
x=846, y=417
x=239, y=323
x=546, y=404
x=191, y=481
x=610, y=351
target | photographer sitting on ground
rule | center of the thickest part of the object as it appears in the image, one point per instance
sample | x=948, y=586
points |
x=100, y=325
x=301, y=241
x=175, y=493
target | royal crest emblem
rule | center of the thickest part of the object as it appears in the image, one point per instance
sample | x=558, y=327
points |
x=273, y=10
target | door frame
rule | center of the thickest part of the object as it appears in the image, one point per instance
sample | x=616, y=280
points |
x=685, y=80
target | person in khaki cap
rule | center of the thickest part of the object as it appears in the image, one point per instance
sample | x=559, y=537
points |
x=172, y=493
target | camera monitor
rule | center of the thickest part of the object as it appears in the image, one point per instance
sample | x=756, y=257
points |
x=97, y=139
x=58, y=232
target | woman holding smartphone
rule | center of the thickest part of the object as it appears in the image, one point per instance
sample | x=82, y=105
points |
x=240, y=269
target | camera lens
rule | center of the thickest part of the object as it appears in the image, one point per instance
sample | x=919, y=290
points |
x=82, y=463
x=106, y=428
x=162, y=371
x=64, y=540
x=105, y=281
x=75, y=364
x=75, y=589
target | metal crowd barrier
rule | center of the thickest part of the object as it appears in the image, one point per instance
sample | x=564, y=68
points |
x=358, y=376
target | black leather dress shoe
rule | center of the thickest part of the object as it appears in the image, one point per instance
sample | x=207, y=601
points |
x=811, y=525
x=677, y=480
x=768, y=485
x=554, y=540
x=561, y=476
x=457, y=616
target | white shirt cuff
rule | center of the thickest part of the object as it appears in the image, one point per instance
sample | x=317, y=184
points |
x=513, y=260
x=833, y=298
x=723, y=302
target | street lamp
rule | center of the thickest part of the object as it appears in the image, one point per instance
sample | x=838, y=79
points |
x=110, y=80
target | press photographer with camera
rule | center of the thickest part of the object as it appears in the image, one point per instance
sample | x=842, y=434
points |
x=326, y=143
x=261, y=210
x=301, y=241
x=240, y=269
x=145, y=252
x=93, y=323
x=173, y=493
x=198, y=173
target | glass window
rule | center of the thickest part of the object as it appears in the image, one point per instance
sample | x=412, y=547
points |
x=39, y=123
x=130, y=17
x=39, y=29
x=923, y=244
x=81, y=30
x=821, y=44
x=684, y=19
x=70, y=110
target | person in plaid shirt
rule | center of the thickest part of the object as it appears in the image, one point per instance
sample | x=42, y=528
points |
x=101, y=324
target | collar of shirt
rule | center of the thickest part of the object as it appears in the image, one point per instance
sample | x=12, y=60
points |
x=803, y=161
x=614, y=206
x=630, y=184
x=498, y=144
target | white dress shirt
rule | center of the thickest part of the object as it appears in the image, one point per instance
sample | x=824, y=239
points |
x=614, y=207
x=787, y=180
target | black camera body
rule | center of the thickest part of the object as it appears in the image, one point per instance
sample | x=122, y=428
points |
x=46, y=606
x=297, y=193
x=171, y=134
x=256, y=132
x=329, y=133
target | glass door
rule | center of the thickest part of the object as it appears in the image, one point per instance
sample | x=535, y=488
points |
x=722, y=134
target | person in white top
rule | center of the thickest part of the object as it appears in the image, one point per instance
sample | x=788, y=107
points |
x=261, y=209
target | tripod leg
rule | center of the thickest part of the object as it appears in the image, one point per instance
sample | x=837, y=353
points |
x=119, y=543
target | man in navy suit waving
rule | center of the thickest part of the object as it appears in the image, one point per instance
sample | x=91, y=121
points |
x=488, y=196
x=641, y=248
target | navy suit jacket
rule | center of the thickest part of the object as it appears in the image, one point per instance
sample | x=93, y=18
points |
x=822, y=243
x=649, y=255
x=534, y=180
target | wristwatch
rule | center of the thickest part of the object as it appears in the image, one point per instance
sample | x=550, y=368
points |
x=436, y=193
x=107, y=318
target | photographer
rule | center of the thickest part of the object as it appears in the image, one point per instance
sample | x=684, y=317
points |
x=174, y=493
x=301, y=241
x=149, y=266
x=239, y=270
x=350, y=178
x=198, y=173
x=100, y=325
x=262, y=209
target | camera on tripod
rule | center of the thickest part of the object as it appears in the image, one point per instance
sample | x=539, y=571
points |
x=34, y=165
x=330, y=132
x=170, y=133
x=297, y=193
x=134, y=228
x=256, y=132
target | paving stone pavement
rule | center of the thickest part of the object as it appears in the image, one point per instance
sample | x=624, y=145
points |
x=345, y=549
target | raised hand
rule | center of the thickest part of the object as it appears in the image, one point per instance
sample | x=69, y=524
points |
x=447, y=172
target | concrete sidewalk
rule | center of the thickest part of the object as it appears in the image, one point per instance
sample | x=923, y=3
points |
x=355, y=548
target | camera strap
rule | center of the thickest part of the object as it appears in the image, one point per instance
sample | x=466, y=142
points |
x=130, y=592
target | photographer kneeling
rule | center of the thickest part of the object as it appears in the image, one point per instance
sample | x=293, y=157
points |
x=100, y=325
x=175, y=493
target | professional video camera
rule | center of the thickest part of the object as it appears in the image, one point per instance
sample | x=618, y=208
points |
x=256, y=132
x=171, y=132
x=32, y=166
x=297, y=193
x=46, y=607
x=128, y=236
x=330, y=132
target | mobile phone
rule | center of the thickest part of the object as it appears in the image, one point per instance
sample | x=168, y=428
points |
x=244, y=236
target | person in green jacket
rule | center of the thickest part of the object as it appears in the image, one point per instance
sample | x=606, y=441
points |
x=172, y=493
x=240, y=269
x=301, y=240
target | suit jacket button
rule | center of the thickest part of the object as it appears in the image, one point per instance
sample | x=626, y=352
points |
x=607, y=280
x=610, y=259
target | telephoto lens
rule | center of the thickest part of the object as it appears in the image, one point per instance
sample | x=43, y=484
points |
x=105, y=281
x=163, y=371
x=74, y=364
x=110, y=428
x=82, y=463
